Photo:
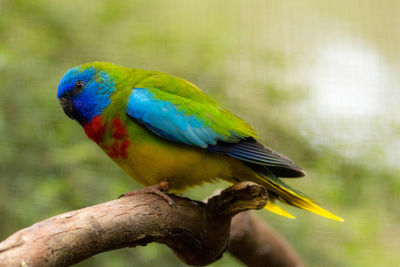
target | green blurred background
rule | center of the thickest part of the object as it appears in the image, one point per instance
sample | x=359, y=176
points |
x=319, y=80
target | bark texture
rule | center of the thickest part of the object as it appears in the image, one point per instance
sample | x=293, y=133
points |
x=197, y=232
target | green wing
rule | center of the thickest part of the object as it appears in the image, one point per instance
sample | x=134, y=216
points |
x=179, y=111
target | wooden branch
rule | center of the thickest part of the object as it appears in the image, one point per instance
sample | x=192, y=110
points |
x=256, y=244
x=197, y=232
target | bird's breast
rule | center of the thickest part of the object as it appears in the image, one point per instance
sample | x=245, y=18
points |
x=150, y=159
x=112, y=136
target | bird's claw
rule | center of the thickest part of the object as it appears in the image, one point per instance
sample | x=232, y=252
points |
x=158, y=189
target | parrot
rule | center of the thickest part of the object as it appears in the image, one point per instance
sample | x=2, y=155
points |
x=162, y=129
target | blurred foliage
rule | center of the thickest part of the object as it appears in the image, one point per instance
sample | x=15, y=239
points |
x=249, y=57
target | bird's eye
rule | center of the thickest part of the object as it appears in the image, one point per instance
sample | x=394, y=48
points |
x=78, y=87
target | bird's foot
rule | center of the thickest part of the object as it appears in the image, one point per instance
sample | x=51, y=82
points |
x=158, y=189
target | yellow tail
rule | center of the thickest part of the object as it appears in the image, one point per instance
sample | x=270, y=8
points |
x=292, y=197
x=272, y=207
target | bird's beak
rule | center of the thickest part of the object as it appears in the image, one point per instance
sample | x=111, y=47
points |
x=68, y=107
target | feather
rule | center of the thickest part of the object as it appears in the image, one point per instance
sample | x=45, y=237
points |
x=184, y=125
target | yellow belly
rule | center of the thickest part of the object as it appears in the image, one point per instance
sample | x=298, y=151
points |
x=150, y=159
x=180, y=165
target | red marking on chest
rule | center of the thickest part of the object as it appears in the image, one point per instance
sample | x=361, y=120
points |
x=119, y=129
x=113, y=150
x=121, y=140
x=123, y=149
x=95, y=129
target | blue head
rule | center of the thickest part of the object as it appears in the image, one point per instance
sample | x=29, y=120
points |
x=84, y=92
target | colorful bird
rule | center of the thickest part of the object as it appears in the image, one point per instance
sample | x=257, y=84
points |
x=160, y=128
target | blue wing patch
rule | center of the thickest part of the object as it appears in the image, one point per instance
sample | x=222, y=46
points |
x=163, y=118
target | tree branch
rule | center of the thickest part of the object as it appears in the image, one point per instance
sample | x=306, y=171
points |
x=255, y=243
x=197, y=232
